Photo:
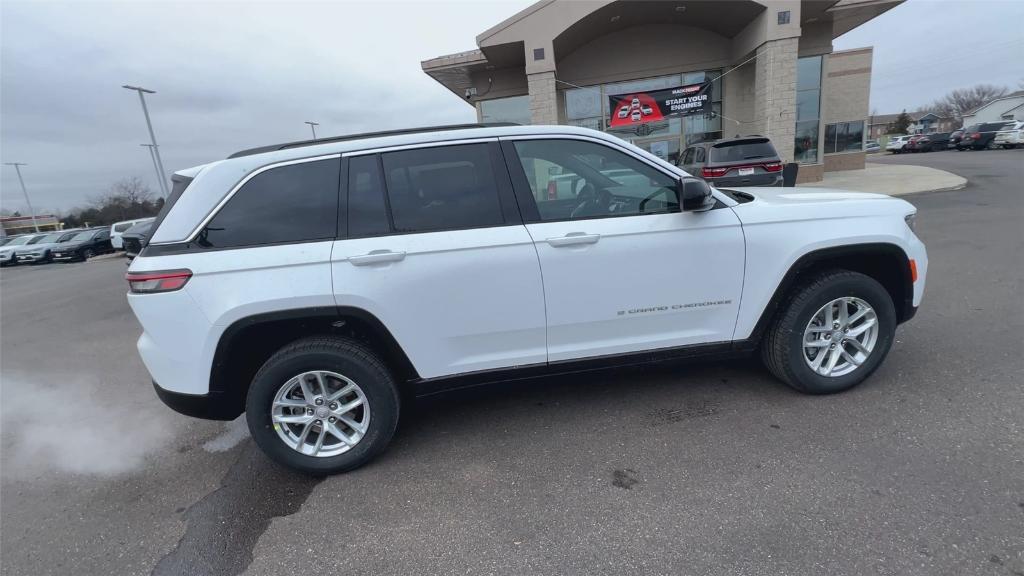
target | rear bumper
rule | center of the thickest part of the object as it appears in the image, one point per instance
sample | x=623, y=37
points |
x=207, y=406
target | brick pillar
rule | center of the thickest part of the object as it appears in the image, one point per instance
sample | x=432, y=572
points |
x=543, y=100
x=775, y=94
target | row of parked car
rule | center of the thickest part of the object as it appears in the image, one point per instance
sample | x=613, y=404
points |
x=75, y=245
x=983, y=136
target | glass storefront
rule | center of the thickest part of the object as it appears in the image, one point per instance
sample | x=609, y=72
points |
x=513, y=109
x=588, y=107
x=808, y=106
x=844, y=137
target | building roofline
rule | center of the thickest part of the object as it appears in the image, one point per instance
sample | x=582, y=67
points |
x=1016, y=94
x=508, y=22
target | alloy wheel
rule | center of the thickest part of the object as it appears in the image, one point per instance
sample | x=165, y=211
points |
x=320, y=413
x=840, y=336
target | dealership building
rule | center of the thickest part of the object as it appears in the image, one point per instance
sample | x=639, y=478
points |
x=667, y=74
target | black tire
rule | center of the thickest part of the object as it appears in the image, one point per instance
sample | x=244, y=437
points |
x=343, y=356
x=782, y=348
x=87, y=253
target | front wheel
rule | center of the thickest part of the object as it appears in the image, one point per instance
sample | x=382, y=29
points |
x=323, y=405
x=87, y=253
x=832, y=334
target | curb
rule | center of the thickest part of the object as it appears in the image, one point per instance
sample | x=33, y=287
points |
x=943, y=189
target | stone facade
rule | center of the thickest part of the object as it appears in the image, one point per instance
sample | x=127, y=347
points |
x=844, y=161
x=775, y=94
x=543, y=98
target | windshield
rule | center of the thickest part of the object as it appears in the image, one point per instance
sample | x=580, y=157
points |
x=21, y=241
x=82, y=236
x=49, y=238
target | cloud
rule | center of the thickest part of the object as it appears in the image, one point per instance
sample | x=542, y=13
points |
x=228, y=76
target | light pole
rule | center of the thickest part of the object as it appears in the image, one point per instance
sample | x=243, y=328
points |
x=312, y=126
x=152, y=156
x=17, y=168
x=152, y=137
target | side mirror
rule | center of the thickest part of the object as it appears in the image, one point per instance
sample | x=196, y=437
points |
x=695, y=195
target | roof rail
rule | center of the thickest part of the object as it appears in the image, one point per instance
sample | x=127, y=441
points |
x=301, y=143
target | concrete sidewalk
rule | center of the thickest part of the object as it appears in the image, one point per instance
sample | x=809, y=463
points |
x=892, y=179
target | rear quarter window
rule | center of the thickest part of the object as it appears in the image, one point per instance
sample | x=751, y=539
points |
x=292, y=203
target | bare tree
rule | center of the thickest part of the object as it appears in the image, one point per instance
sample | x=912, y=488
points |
x=963, y=100
x=126, y=198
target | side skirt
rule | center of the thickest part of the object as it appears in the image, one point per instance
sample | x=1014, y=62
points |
x=721, y=350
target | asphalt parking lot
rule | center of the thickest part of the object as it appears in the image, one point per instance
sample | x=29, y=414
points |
x=710, y=468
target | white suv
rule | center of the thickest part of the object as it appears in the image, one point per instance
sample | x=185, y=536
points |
x=312, y=285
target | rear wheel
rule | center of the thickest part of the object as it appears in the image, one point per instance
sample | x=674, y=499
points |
x=323, y=405
x=832, y=334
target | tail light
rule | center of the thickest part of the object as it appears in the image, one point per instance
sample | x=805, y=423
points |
x=154, y=282
x=773, y=166
x=552, y=190
x=713, y=172
x=976, y=136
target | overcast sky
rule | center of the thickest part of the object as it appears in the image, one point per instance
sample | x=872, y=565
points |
x=236, y=75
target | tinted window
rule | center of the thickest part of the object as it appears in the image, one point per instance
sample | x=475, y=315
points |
x=444, y=188
x=701, y=155
x=742, y=150
x=367, y=212
x=122, y=227
x=573, y=179
x=287, y=204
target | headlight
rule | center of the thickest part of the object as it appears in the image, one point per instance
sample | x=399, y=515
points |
x=911, y=220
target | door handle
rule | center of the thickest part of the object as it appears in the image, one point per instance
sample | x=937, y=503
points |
x=376, y=257
x=574, y=239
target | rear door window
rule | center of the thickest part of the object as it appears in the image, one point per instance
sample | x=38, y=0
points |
x=442, y=188
x=294, y=203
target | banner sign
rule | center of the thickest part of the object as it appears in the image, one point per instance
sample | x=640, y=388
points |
x=641, y=107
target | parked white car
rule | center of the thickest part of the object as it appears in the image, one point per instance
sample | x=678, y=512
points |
x=1012, y=136
x=119, y=228
x=312, y=285
x=7, y=251
x=896, y=144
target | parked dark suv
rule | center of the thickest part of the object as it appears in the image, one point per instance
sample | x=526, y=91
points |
x=85, y=245
x=134, y=239
x=929, y=142
x=980, y=136
x=741, y=161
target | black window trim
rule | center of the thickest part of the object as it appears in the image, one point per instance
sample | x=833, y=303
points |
x=508, y=203
x=524, y=195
